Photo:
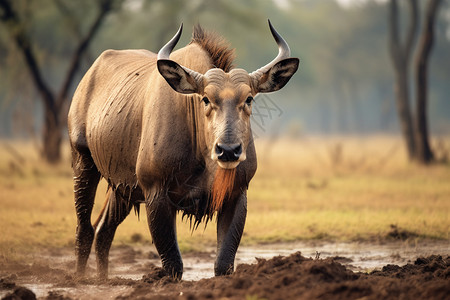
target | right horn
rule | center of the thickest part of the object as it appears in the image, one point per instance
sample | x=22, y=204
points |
x=283, y=52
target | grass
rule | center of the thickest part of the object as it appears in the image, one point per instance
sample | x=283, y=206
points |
x=342, y=189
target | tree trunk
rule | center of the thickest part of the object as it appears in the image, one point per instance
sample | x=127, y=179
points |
x=404, y=110
x=424, y=154
x=400, y=55
x=52, y=137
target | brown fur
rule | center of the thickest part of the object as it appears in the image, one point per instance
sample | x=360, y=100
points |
x=222, y=187
x=216, y=46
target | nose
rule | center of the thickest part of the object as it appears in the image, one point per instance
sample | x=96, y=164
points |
x=228, y=152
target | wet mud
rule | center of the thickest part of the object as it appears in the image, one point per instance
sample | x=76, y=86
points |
x=324, y=274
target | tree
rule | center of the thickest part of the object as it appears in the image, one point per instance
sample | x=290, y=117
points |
x=414, y=128
x=423, y=151
x=400, y=55
x=53, y=102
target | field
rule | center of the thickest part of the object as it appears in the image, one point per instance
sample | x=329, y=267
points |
x=340, y=189
x=343, y=189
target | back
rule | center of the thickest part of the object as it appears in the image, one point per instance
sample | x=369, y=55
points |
x=106, y=111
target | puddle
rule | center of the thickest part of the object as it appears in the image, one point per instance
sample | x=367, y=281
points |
x=360, y=257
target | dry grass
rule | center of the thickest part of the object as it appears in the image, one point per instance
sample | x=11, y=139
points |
x=346, y=189
x=316, y=188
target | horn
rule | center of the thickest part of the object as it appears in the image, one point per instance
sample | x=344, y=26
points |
x=165, y=51
x=283, y=52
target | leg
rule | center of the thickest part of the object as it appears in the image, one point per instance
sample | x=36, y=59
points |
x=116, y=210
x=161, y=221
x=86, y=178
x=230, y=226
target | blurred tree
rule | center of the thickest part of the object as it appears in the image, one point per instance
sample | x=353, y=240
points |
x=344, y=85
x=14, y=17
x=400, y=55
x=423, y=151
x=414, y=127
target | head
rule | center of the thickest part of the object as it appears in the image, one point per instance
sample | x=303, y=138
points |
x=228, y=97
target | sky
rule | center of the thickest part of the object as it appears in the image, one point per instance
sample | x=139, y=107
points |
x=347, y=3
x=344, y=3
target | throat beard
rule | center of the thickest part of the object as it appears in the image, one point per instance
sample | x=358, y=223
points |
x=222, y=187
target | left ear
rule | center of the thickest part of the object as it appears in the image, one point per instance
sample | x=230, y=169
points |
x=277, y=76
x=182, y=80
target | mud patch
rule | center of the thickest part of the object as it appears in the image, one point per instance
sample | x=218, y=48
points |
x=297, y=277
x=397, y=233
x=324, y=271
x=20, y=293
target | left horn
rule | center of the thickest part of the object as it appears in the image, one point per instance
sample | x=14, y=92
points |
x=283, y=52
x=165, y=51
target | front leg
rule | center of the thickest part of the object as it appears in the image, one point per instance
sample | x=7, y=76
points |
x=161, y=217
x=230, y=226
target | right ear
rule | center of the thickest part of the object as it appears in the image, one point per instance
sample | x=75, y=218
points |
x=179, y=79
x=277, y=76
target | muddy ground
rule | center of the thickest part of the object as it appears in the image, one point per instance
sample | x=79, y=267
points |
x=393, y=270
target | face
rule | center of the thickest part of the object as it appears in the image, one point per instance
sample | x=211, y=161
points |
x=227, y=100
x=228, y=97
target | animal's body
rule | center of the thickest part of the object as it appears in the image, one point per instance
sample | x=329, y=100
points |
x=173, y=134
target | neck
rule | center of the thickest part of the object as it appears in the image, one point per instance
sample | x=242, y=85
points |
x=196, y=125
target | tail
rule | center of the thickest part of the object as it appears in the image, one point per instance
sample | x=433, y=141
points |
x=222, y=187
x=99, y=218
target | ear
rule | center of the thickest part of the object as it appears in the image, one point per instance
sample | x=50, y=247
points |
x=277, y=76
x=178, y=78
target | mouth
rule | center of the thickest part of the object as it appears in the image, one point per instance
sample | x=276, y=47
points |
x=228, y=165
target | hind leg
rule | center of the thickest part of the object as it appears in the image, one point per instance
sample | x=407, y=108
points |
x=116, y=210
x=86, y=178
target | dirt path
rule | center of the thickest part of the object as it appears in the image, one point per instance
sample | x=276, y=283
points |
x=323, y=270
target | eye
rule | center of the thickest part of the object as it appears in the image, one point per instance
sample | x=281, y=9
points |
x=249, y=100
x=205, y=100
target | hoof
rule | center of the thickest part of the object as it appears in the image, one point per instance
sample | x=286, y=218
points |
x=223, y=269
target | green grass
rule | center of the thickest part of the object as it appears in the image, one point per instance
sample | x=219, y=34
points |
x=343, y=189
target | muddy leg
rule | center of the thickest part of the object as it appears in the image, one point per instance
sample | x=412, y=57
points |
x=86, y=178
x=161, y=221
x=230, y=226
x=117, y=209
